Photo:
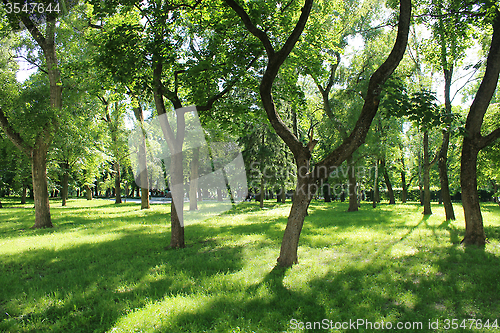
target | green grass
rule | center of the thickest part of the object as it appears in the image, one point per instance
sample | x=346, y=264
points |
x=104, y=268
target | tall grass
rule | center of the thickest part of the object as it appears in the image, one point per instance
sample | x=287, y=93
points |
x=104, y=268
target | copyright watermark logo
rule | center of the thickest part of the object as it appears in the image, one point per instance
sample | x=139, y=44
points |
x=170, y=153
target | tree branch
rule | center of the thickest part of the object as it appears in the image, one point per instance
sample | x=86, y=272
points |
x=13, y=136
x=261, y=35
x=485, y=141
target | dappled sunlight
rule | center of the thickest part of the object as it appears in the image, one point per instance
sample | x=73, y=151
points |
x=108, y=270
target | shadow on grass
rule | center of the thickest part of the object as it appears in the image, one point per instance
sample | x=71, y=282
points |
x=86, y=288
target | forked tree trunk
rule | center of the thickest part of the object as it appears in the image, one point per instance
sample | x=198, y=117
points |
x=302, y=153
x=427, y=167
x=40, y=188
x=118, y=188
x=474, y=141
x=193, y=184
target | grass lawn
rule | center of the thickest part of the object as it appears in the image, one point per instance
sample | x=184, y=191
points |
x=103, y=268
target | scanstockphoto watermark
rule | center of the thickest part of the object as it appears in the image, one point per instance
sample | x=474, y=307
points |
x=258, y=171
x=354, y=324
x=170, y=153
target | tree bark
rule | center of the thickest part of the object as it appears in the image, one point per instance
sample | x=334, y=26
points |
x=473, y=142
x=404, y=193
x=40, y=188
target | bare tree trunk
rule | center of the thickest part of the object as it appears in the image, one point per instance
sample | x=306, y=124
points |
x=427, y=166
x=40, y=188
x=193, y=184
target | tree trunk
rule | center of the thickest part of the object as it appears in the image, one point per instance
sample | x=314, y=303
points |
x=404, y=193
x=193, y=184
x=375, y=187
x=65, y=179
x=24, y=195
x=177, y=206
x=118, y=188
x=326, y=192
x=143, y=162
x=387, y=181
x=261, y=195
x=443, y=154
x=443, y=177
x=289, y=245
x=40, y=188
x=301, y=152
x=88, y=192
x=474, y=141
x=427, y=164
x=474, y=230
x=352, y=187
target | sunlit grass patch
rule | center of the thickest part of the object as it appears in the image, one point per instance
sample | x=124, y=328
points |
x=104, y=268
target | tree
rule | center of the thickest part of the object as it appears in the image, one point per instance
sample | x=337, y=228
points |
x=148, y=56
x=38, y=149
x=474, y=141
x=302, y=153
